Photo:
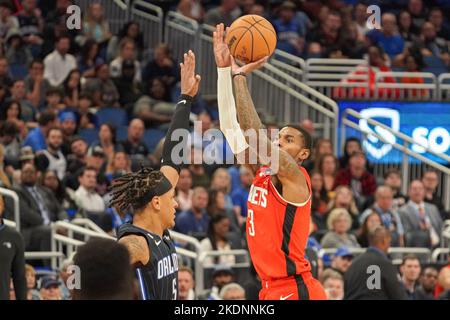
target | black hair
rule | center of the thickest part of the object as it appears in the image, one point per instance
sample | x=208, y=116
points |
x=123, y=33
x=7, y=106
x=131, y=190
x=38, y=61
x=60, y=192
x=96, y=256
x=215, y=219
x=212, y=202
x=418, y=59
x=8, y=128
x=65, y=84
x=307, y=139
x=46, y=117
x=62, y=36
x=389, y=172
x=52, y=129
x=347, y=141
x=84, y=95
x=86, y=168
x=113, y=132
x=53, y=90
x=86, y=49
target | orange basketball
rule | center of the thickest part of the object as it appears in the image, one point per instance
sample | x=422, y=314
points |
x=251, y=38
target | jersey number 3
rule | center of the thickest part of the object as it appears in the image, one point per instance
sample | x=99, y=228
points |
x=251, y=227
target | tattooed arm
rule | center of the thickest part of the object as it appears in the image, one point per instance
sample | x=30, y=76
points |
x=295, y=188
x=137, y=248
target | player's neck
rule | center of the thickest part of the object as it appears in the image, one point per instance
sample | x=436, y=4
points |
x=149, y=223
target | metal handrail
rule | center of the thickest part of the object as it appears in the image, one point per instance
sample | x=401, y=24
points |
x=185, y=238
x=400, y=135
x=293, y=90
x=9, y=223
x=13, y=195
x=437, y=252
x=159, y=12
x=234, y=252
x=331, y=251
x=441, y=85
x=403, y=148
x=88, y=223
x=179, y=17
x=34, y=255
x=200, y=267
x=121, y=4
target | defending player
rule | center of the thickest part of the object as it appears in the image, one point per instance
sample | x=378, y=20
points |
x=279, y=203
x=150, y=195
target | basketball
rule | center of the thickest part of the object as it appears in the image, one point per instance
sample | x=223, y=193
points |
x=251, y=38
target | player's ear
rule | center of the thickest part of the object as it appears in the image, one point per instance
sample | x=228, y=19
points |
x=304, y=154
x=156, y=203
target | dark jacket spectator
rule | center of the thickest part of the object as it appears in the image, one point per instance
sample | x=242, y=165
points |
x=363, y=282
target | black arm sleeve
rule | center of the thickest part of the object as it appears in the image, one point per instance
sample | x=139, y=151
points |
x=180, y=120
x=18, y=269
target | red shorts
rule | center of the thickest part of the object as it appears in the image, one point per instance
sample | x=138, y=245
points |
x=299, y=287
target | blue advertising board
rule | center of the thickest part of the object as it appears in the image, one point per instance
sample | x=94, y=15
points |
x=427, y=123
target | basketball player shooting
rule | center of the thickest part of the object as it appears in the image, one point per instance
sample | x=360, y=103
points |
x=150, y=195
x=279, y=203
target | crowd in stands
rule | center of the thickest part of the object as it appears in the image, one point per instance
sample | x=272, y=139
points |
x=58, y=86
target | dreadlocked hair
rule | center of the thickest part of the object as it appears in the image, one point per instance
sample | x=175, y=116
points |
x=130, y=190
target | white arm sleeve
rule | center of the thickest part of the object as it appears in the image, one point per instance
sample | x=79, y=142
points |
x=227, y=111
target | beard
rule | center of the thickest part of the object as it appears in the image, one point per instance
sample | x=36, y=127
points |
x=54, y=146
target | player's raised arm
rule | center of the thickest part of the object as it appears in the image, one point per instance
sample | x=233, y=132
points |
x=286, y=168
x=189, y=88
x=225, y=99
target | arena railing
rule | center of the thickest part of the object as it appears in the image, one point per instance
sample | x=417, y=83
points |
x=9, y=223
x=207, y=67
x=116, y=11
x=288, y=63
x=150, y=19
x=401, y=144
x=202, y=266
x=180, y=33
x=331, y=251
x=88, y=224
x=299, y=102
x=14, y=196
x=444, y=87
x=396, y=253
x=343, y=78
x=440, y=255
x=445, y=237
x=406, y=91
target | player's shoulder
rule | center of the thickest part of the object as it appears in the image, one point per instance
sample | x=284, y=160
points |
x=137, y=248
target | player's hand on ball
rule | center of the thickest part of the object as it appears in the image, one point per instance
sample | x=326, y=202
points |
x=246, y=68
x=189, y=80
x=221, y=51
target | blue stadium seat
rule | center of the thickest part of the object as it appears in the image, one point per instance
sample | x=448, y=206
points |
x=152, y=137
x=121, y=133
x=89, y=135
x=116, y=117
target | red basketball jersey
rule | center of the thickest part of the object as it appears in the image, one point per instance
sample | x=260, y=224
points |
x=277, y=230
